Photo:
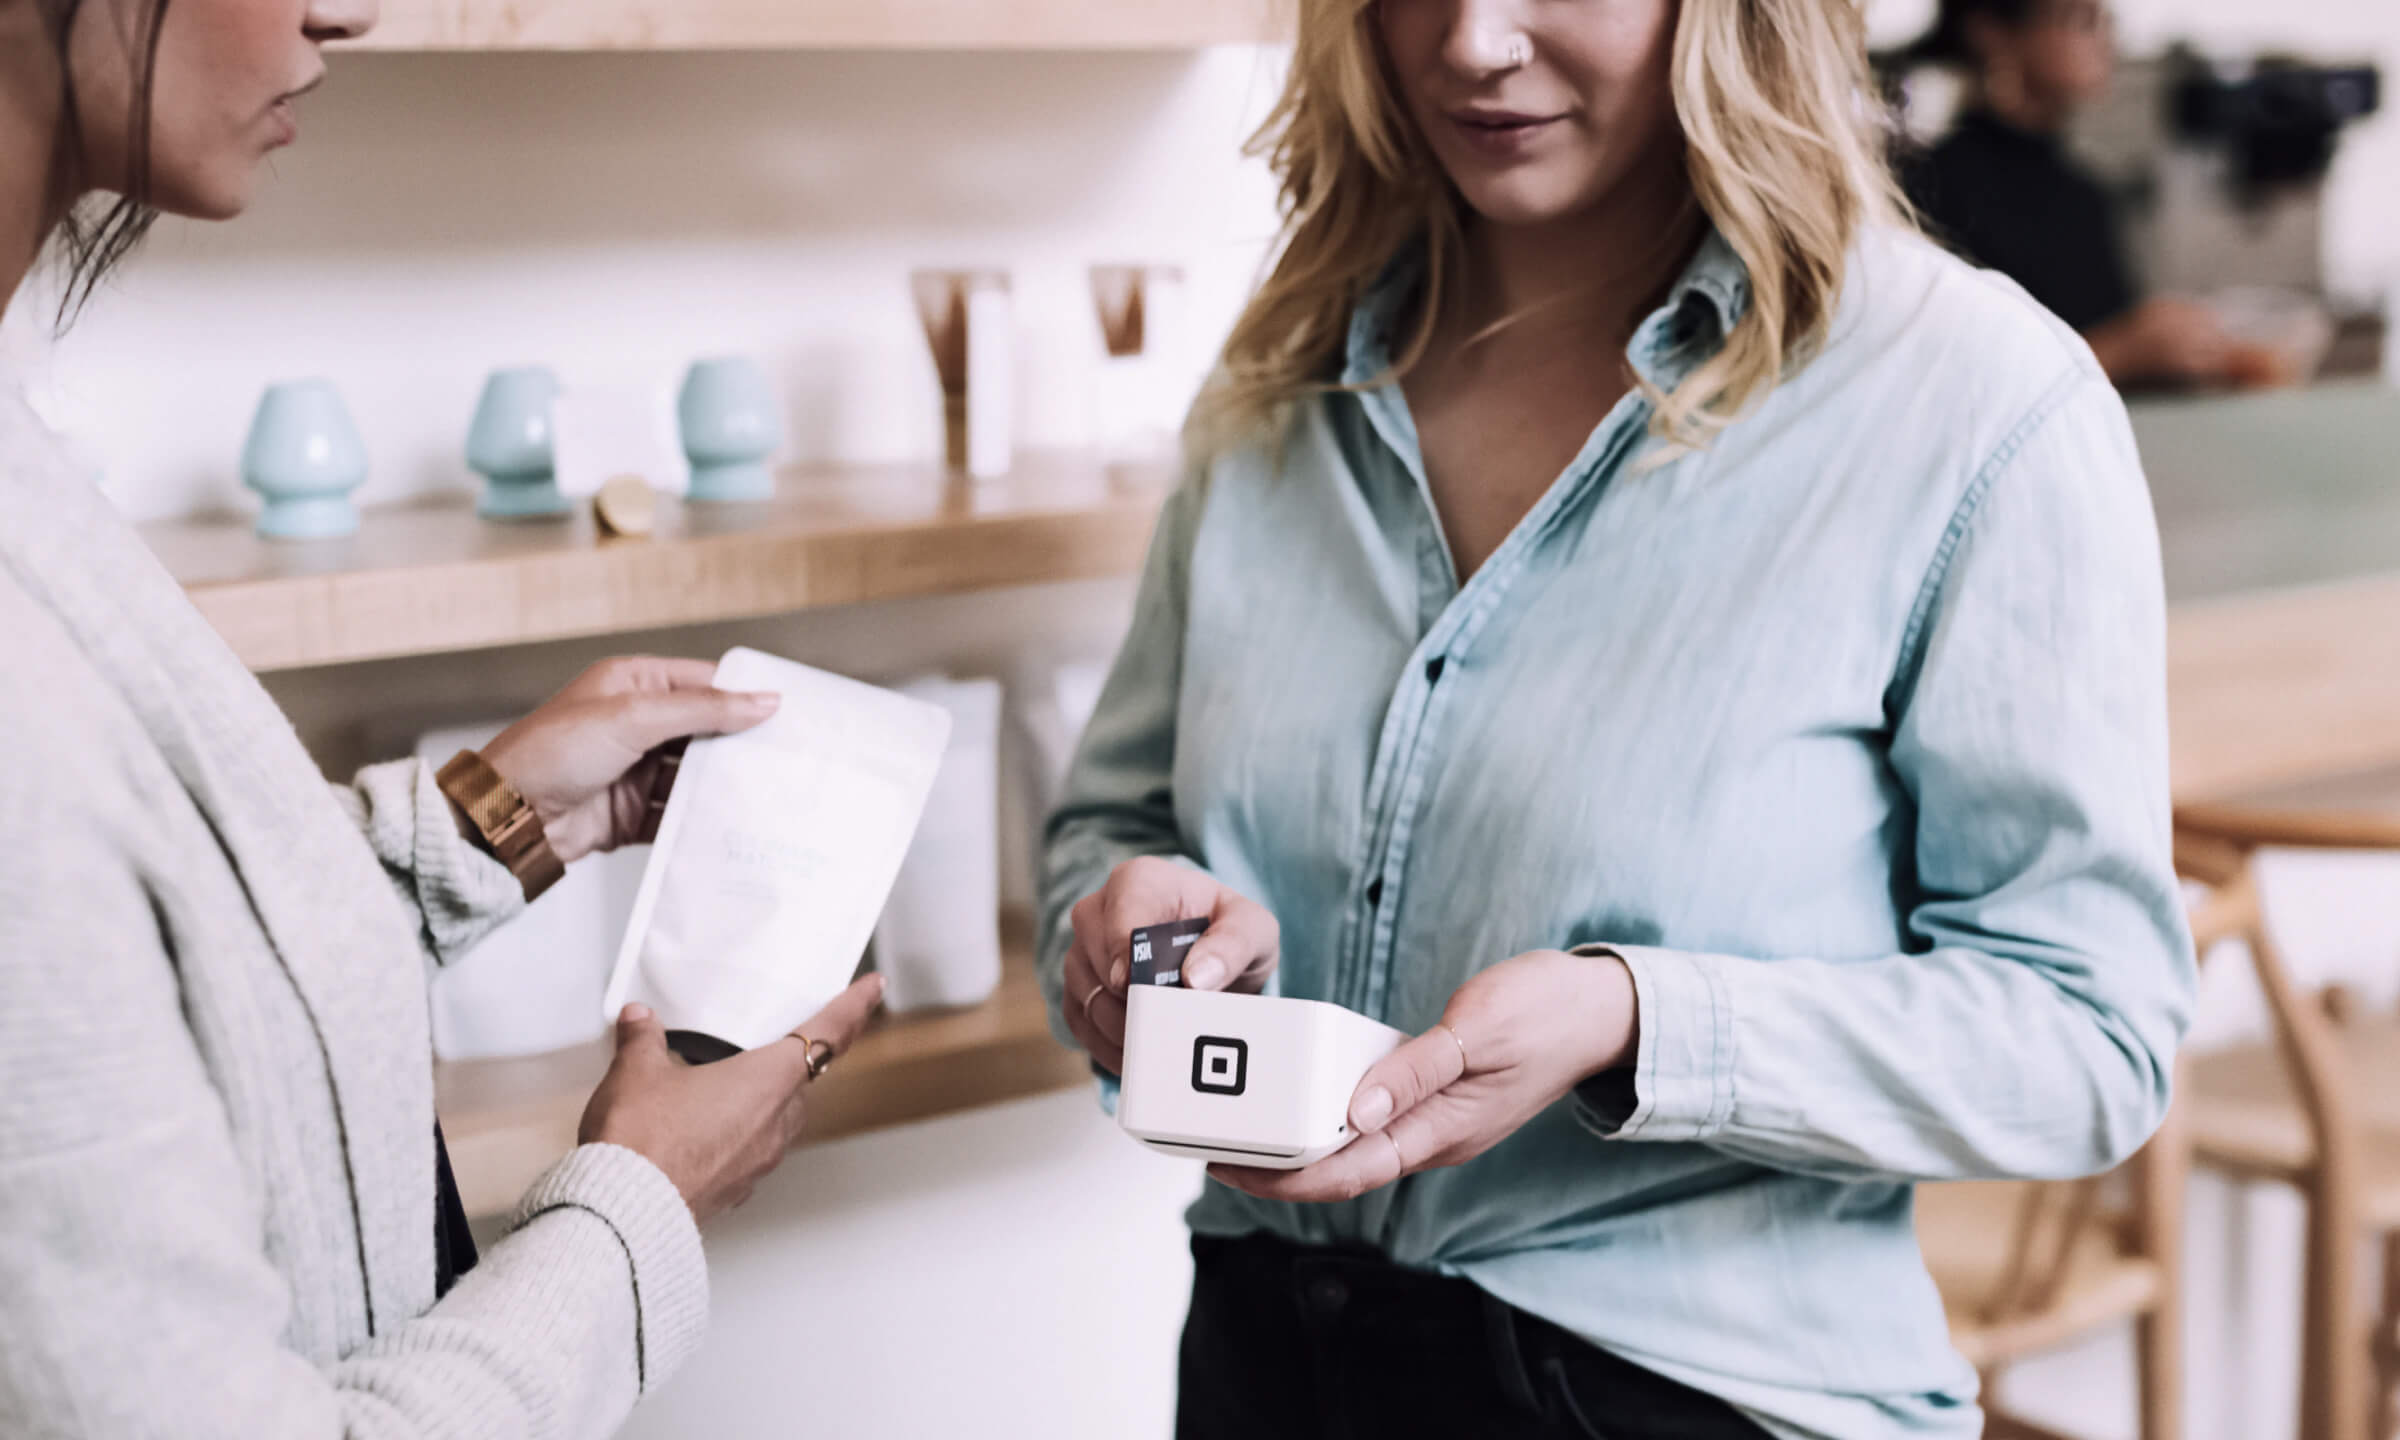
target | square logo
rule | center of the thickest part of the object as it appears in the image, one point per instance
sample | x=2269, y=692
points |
x=1220, y=1066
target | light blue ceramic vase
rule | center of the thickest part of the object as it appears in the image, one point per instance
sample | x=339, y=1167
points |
x=305, y=456
x=512, y=446
x=731, y=424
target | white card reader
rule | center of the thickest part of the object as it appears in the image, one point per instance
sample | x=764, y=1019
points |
x=1258, y=1080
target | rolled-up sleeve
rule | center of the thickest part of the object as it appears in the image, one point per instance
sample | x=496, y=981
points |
x=137, y=1295
x=2029, y=1028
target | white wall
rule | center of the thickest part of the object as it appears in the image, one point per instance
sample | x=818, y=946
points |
x=617, y=215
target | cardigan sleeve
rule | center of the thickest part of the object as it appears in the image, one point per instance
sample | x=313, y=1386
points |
x=136, y=1296
x=460, y=893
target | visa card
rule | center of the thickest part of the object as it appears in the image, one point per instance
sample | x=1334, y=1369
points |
x=1158, y=952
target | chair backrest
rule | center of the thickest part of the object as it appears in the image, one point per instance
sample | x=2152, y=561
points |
x=2231, y=910
x=2050, y=1223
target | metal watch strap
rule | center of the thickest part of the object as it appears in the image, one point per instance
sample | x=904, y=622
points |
x=505, y=821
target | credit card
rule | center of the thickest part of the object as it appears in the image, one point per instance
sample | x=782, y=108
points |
x=1158, y=952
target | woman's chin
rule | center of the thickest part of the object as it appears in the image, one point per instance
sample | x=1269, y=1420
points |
x=1522, y=199
x=206, y=197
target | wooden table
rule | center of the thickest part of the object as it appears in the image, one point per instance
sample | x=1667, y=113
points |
x=2279, y=522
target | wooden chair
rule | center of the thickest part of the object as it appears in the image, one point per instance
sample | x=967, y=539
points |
x=2318, y=1107
x=2028, y=1267
x=2025, y=1267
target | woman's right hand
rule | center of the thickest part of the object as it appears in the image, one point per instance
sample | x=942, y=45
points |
x=1239, y=952
x=716, y=1130
x=2164, y=338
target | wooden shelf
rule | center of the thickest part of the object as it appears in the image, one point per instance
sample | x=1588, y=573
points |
x=506, y=1121
x=434, y=577
x=821, y=24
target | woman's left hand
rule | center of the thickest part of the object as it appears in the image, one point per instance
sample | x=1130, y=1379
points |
x=589, y=759
x=1513, y=1042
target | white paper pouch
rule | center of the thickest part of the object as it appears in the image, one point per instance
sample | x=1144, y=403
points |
x=775, y=853
x=938, y=944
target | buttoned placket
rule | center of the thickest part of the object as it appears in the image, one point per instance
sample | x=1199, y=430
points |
x=1408, y=744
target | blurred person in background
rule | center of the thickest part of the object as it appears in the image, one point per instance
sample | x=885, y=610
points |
x=1644, y=620
x=2003, y=189
x=224, y=1209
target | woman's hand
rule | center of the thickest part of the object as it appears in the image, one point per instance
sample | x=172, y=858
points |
x=588, y=761
x=1238, y=952
x=716, y=1130
x=1513, y=1042
x=2164, y=339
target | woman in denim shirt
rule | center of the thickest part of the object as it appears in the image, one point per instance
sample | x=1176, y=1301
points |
x=1644, y=620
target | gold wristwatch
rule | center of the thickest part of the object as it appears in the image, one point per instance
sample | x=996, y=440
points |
x=504, y=819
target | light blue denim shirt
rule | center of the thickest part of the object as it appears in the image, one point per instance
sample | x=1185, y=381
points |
x=1848, y=732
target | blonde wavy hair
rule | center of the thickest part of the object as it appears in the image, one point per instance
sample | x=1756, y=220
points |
x=1784, y=147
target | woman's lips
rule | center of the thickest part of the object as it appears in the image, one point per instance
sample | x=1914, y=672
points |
x=283, y=117
x=1502, y=135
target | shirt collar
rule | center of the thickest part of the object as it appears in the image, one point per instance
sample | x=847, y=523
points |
x=1707, y=300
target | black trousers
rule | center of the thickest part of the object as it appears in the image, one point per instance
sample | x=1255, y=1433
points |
x=1284, y=1340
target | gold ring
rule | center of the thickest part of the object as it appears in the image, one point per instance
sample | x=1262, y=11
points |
x=820, y=1057
x=1399, y=1161
x=1094, y=994
x=1463, y=1066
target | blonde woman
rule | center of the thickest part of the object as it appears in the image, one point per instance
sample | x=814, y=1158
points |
x=1644, y=620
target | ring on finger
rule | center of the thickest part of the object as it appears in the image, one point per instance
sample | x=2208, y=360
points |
x=1399, y=1161
x=820, y=1057
x=1463, y=1066
x=1091, y=995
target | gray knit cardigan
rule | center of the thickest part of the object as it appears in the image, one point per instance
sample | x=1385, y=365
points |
x=216, y=1098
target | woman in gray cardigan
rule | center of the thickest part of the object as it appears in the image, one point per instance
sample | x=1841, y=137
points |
x=219, y=1173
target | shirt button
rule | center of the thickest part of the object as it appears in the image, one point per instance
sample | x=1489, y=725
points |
x=1328, y=1295
x=1375, y=891
x=1433, y=669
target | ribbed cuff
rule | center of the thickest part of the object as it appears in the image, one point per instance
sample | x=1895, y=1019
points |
x=1683, y=1067
x=637, y=1201
x=464, y=893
